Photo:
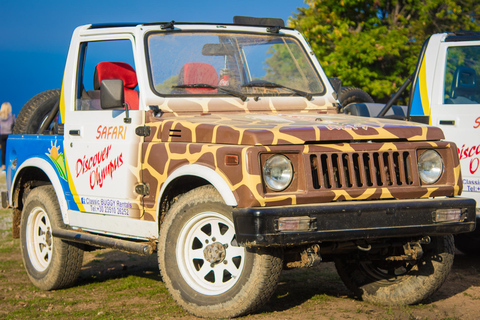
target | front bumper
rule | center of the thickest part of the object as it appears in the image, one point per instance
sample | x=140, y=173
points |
x=342, y=221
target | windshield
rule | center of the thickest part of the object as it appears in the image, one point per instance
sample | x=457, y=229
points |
x=189, y=63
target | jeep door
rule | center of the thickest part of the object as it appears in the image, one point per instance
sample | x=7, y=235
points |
x=102, y=149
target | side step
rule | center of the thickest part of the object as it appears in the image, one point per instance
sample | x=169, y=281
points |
x=141, y=248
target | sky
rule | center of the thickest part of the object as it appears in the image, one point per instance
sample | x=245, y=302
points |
x=35, y=35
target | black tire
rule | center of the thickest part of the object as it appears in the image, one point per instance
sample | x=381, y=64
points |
x=349, y=95
x=35, y=111
x=50, y=263
x=199, y=226
x=406, y=283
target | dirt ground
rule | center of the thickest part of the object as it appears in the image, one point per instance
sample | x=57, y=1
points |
x=315, y=293
x=318, y=293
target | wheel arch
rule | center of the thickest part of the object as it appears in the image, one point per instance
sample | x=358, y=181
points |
x=189, y=177
x=30, y=174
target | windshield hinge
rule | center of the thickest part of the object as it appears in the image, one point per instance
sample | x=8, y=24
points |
x=168, y=25
x=142, y=189
x=143, y=131
x=273, y=29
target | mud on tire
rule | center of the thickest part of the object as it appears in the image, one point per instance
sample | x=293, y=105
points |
x=35, y=111
x=395, y=283
x=202, y=266
x=50, y=263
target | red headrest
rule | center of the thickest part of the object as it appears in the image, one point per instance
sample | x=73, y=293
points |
x=198, y=73
x=115, y=70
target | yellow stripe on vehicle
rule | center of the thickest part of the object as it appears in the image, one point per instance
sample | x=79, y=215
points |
x=422, y=78
x=62, y=104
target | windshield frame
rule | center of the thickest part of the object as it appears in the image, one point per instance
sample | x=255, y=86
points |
x=220, y=93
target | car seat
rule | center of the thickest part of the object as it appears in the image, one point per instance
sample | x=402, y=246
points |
x=198, y=73
x=464, y=85
x=122, y=71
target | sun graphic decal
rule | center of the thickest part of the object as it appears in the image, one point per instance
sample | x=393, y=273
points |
x=57, y=158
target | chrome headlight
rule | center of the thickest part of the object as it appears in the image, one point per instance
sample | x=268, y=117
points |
x=430, y=166
x=278, y=172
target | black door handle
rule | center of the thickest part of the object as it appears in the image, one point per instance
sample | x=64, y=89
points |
x=448, y=122
x=74, y=132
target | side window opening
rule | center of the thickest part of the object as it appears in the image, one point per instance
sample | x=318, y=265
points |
x=101, y=60
x=462, y=75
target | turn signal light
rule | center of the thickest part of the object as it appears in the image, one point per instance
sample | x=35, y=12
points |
x=231, y=160
x=448, y=215
x=295, y=224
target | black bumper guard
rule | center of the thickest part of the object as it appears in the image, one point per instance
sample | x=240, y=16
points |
x=343, y=221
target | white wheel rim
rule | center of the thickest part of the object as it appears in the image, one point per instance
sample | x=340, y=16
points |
x=39, y=239
x=209, y=277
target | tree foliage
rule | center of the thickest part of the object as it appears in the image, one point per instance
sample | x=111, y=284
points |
x=374, y=44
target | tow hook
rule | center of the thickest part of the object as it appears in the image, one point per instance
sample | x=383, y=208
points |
x=309, y=257
x=413, y=251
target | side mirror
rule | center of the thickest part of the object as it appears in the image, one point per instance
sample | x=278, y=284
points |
x=336, y=84
x=112, y=94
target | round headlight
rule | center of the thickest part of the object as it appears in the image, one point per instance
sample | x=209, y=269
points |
x=278, y=172
x=430, y=166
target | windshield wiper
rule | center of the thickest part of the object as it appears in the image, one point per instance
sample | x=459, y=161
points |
x=268, y=84
x=209, y=86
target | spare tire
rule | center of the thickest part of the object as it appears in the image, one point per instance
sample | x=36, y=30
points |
x=35, y=112
x=349, y=95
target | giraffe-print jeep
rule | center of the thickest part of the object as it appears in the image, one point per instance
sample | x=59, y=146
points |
x=223, y=149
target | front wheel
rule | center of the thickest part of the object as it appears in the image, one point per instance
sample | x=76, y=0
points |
x=391, y=282
x=203, y=267
x=51, y=263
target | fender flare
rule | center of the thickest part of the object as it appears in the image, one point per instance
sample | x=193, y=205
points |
x=206, y=173
x=51, y=173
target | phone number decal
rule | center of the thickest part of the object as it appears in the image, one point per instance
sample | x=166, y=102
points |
x=107, y=206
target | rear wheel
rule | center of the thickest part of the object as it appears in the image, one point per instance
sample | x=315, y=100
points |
x=391, y=282
x=50, y=263
x=204, y=268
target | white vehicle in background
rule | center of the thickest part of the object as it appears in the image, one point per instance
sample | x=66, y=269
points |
x=446, y=93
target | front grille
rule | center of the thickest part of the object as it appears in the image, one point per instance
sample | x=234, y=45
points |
x=361, y=169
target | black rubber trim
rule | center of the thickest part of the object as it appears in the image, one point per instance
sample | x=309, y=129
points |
x=463, y=36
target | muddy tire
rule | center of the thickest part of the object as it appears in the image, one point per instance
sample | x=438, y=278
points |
x=203, y=268
x=50, y=263
x=349, y=95
x=35, y=111
x=399, y=283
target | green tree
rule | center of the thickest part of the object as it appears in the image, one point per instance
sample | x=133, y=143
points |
x=374, y=44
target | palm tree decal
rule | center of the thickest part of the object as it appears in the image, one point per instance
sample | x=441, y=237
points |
x=57, y=159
